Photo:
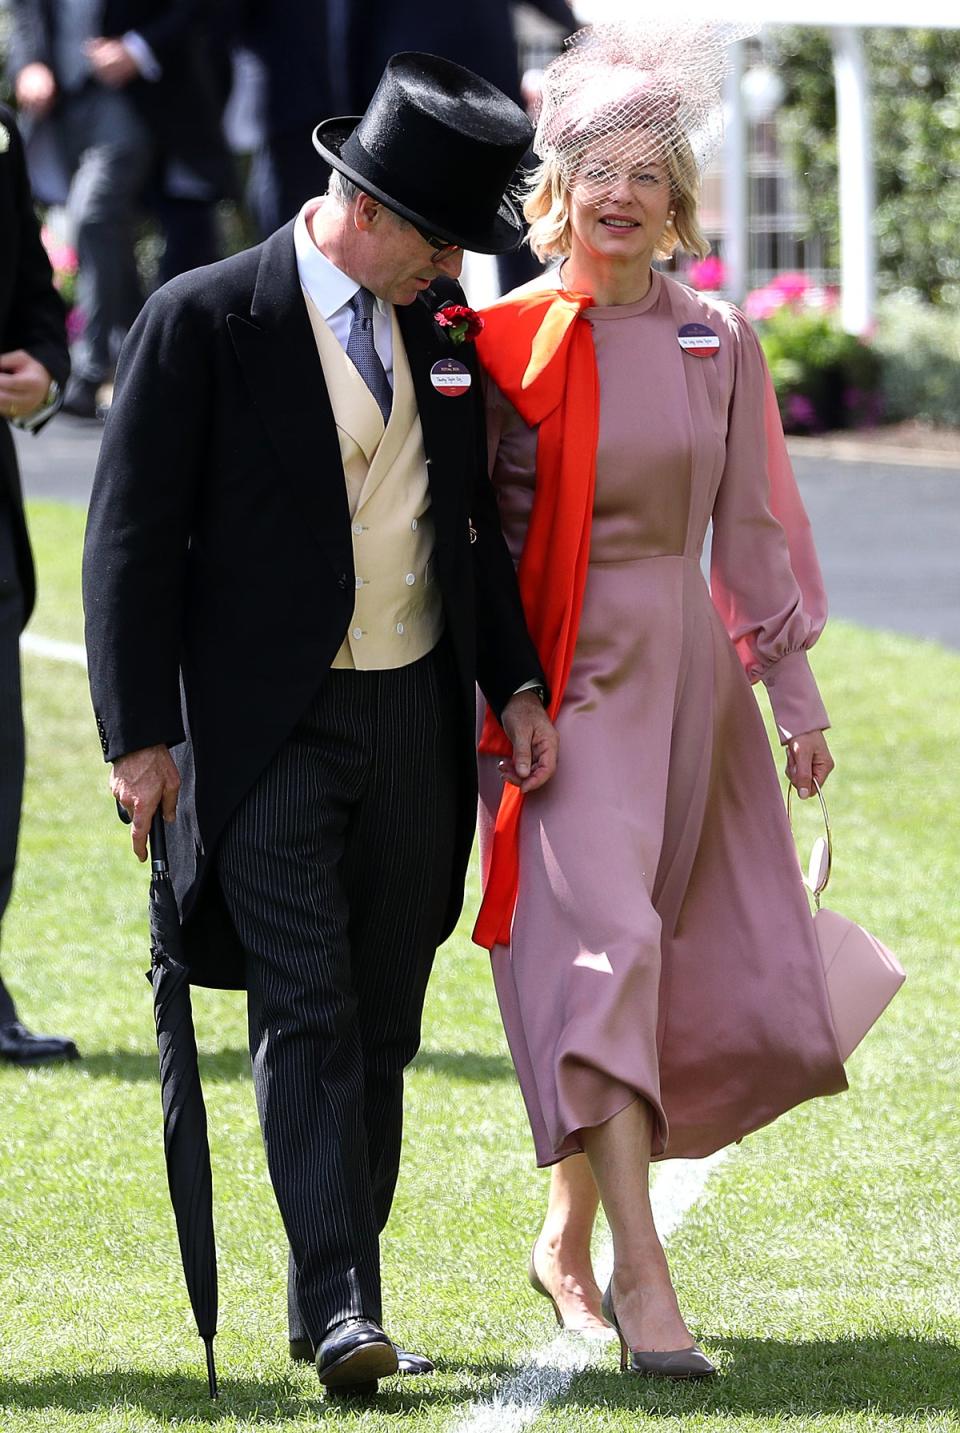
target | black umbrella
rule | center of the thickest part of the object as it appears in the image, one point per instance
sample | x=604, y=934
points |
x=184, y=1115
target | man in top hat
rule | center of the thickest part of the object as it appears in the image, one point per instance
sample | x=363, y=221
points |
x=291, y=518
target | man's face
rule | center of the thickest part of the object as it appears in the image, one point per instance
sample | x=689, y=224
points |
x=398, y=262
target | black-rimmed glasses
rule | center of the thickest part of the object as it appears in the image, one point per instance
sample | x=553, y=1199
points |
x=442, y=249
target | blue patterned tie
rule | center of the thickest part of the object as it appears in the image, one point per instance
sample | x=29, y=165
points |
x=364, y=356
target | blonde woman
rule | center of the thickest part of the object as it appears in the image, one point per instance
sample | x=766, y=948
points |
x=654, y=958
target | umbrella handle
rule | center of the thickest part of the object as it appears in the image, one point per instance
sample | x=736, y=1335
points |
x=158, y=843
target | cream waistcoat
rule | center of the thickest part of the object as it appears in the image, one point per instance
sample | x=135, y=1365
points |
x=398, y=615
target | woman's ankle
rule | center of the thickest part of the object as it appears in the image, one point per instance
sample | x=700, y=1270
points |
x=564, y=1252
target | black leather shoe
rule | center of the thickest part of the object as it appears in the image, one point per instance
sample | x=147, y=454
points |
x=413, y=1363
x=354, y=1355
x=19, y=1047
x=301, y=1351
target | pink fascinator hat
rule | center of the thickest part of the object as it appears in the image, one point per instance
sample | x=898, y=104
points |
x=636, y=91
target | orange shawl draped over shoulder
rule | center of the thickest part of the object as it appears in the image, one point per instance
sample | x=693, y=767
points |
x=541, y=356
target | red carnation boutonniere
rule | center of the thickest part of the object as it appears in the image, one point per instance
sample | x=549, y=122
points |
x=459, y=323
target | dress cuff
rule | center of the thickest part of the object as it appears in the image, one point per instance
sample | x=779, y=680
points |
x=794, y=696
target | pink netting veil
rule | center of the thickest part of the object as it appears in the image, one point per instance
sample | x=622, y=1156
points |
x=629, y=94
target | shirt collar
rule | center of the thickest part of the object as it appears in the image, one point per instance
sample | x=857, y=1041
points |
x=329, y=288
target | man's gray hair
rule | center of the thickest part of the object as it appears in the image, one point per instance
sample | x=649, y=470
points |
x=342, y=190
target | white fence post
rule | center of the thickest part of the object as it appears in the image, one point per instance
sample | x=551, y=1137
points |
x=855, y=164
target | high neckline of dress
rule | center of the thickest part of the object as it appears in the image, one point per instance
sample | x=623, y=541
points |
x=604, y=313
x=554, y=279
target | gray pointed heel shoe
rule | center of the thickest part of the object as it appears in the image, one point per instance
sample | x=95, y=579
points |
x=673, y=1363
x=537, y=1284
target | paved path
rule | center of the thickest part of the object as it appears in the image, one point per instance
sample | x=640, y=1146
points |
x=888, y=534
x=889, y=542
x=58, y=463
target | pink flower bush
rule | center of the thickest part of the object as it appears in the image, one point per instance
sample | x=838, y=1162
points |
x=64, y=263
x=707, y=275
x=824, y=377
x=793, y=286
x=761, y=303
x=791, y=289
x=76, y=323
x=800, y=413
x=63, y=259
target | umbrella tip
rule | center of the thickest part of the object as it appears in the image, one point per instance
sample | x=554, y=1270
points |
x=211, y=1368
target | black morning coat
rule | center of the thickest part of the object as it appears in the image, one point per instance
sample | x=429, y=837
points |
x=218, y=547
x=31, y=318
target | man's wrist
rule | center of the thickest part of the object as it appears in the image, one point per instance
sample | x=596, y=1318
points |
x=45, y=409
x=537, y=688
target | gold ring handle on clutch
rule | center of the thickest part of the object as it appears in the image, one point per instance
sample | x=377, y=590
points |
x=818, y=887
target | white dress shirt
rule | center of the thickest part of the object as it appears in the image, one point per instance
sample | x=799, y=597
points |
x=331, y=290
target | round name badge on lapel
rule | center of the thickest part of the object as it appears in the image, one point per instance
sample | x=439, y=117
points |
x=698, y=340
x=451, y=377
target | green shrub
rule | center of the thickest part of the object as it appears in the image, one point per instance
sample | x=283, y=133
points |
x=824, y=378
x=919, y=349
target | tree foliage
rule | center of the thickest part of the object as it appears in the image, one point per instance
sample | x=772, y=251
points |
x=915, y=88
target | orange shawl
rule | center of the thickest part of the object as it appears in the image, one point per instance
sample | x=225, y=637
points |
x=544, y=363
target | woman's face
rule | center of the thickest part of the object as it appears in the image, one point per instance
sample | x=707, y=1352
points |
x=619, y=204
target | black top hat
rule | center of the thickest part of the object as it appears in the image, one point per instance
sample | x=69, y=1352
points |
x=438, y=145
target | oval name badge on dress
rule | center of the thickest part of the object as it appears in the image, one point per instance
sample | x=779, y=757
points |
x=451, y=377
x=698, y=340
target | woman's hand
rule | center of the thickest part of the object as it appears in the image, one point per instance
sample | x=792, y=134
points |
x=808, y=758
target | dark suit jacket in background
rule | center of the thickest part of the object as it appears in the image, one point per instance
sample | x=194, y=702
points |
x=324, y=57
x=477, y=34
x=306, y=73
x=218, y=544
x=183, y=108
x=31, y=317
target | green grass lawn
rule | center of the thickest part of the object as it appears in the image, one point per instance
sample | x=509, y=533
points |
x=822, y=1270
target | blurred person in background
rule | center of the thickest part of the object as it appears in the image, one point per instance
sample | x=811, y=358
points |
x=124, y=96
x=303, y=74
x=326, y=56
x=34, y=365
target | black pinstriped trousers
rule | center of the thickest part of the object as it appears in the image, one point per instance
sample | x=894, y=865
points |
x=11, y=726
x=336, y=871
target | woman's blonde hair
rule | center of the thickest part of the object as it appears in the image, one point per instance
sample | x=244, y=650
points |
x=547, y=205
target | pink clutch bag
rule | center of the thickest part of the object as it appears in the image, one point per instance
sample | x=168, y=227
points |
x=862, y=975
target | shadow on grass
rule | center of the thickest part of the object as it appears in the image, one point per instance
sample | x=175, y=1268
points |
x=465, y=1065
x=234, y=1064
x=133, y=1066
x=184, y=1399
x=893, y=1375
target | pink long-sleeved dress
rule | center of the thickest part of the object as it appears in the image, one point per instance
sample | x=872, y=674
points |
x=662, y=945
